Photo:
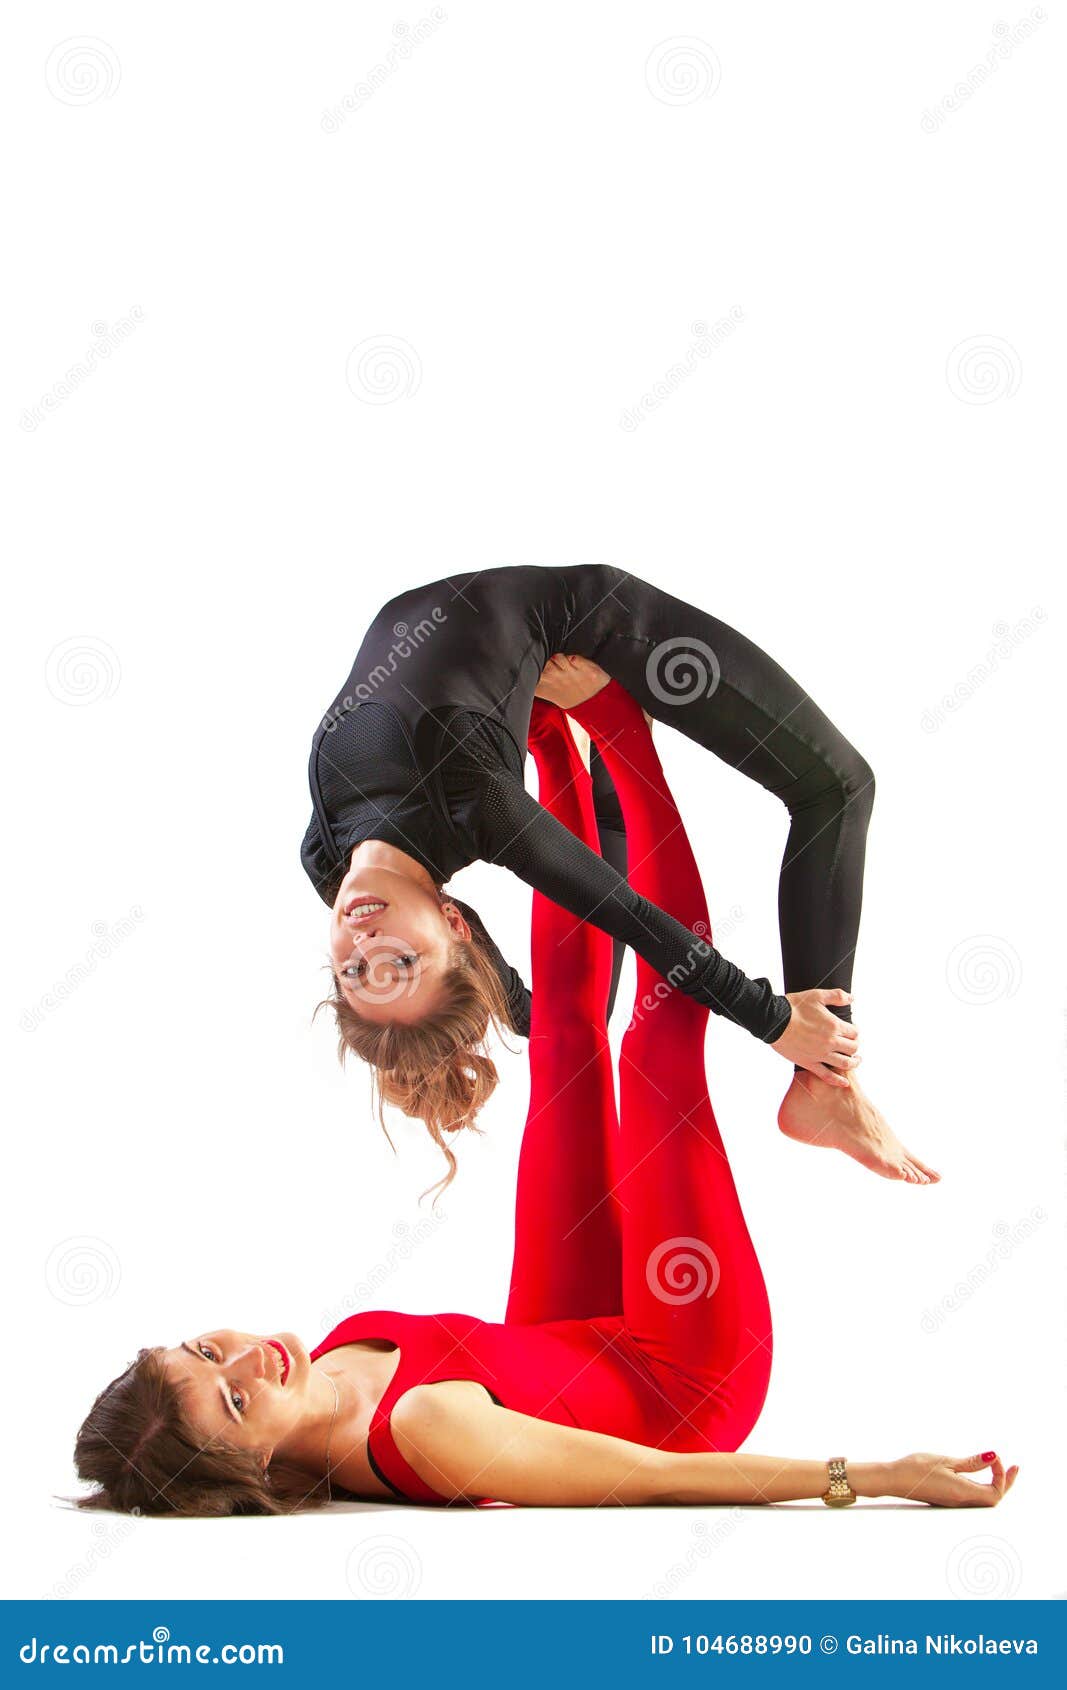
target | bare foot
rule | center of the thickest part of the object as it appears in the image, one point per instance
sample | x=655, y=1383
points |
x=842, y=1118
x=570, y=681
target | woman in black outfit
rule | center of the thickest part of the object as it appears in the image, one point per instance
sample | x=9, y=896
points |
x=417, y=771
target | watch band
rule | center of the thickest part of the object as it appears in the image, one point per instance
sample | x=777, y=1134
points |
x=839, y=1493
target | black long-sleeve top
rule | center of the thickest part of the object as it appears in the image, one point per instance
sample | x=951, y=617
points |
x=444, y=783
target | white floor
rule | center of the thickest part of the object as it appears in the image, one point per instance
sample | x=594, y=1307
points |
x=370, y=1551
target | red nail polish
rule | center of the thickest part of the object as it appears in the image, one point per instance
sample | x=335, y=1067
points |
x=989, y=1455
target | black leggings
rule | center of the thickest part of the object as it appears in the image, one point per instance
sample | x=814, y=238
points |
x=704, y=678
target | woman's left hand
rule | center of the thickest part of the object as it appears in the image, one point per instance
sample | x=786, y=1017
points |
x=942, y=1480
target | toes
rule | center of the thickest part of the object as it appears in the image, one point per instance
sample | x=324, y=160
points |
x=887, y=1169
x=916, y=1173
x=929, y=1176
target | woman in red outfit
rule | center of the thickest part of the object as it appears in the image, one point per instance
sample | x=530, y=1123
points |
x=636, y=1351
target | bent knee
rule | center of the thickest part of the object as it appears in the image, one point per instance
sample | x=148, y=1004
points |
x=842, y=781
x=858, y=780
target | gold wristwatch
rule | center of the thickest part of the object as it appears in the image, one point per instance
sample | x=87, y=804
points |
x=839, y=1493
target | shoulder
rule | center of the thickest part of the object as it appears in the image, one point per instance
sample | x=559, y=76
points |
x=426, y=1408
x=438, y=1430
x=481, y=774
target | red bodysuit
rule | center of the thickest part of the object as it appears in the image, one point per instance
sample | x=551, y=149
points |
x=637, y=1306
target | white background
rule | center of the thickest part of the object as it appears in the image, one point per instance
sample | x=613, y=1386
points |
x=532, y=216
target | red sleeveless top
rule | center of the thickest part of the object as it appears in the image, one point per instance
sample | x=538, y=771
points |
x=586, y=1373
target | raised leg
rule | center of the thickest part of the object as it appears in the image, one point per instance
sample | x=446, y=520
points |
x=611, y=832
x=694, y=1298
x=717, y=687
x=567, y=1262
x=713, y=684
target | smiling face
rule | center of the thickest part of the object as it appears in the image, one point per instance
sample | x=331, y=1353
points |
x=391, y=942
x=240, y=1390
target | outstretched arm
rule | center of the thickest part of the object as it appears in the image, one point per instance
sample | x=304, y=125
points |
x=612, y=836
x=466, y=1447
x=520, y=835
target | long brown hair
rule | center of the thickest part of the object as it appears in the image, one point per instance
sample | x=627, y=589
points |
x=436, y=1070
x=137, y=1447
